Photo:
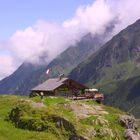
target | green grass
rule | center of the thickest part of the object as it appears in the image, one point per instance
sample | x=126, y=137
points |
x=7, y=129
x=54, y=107
x=110, y=77
x=54, y=100
x=89, y=120
x=58, y=107
x=48, y=101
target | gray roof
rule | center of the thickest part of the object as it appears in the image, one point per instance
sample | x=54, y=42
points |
x=50, y=84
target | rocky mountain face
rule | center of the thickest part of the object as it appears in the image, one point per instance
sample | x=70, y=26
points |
x=118, y=59
x=29, y=75
x=116, y=69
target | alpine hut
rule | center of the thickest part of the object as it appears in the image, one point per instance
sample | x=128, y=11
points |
x=60, y=86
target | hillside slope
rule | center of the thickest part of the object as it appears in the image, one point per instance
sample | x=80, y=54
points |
x=115, y=68
x=126, y=96
x=118, y=59
x=57, y=118
x=28, y=75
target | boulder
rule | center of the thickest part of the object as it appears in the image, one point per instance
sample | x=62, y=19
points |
x=131, y=134
x=128, y=121
x=62, y=123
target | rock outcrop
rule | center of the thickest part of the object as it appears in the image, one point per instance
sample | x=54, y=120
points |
x=131, y=134
x=129, y=122
x=74, y=120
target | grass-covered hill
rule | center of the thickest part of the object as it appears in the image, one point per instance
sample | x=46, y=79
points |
x=126, y=96
x=57, y=118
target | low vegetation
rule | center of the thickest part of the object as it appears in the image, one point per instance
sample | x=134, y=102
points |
x=57, y=118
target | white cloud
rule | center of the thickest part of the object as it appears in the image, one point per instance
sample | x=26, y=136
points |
x=43, y=37
x=6, y=65
x=52, y=38
x=92, y=18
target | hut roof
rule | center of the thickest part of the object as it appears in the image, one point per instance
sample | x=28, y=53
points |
x=50, y=84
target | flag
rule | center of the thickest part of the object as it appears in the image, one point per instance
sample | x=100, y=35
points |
x=48, y=71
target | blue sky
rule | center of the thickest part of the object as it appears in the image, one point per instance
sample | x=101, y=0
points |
x=19, y=14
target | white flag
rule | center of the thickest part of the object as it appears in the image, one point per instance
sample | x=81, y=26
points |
x=48, y=70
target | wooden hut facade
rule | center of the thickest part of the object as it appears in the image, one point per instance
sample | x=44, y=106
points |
x=59, y=87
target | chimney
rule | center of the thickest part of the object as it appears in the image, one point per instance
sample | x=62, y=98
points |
x=61, y=76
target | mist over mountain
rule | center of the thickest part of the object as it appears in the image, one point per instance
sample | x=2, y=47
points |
x=49, y=39
x=118, y=59
x=29, y=75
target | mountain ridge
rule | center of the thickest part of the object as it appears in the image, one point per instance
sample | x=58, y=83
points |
x=115, y=68
x=121, y=48
x=22, y=80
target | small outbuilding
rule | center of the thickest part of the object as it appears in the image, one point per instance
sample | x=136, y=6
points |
x=59, y=87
